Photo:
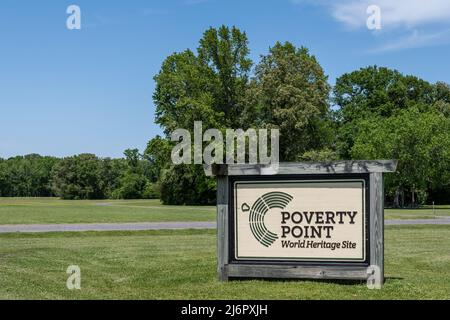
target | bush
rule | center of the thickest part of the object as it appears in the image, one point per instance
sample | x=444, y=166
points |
x=151, y=191
x=187, y=184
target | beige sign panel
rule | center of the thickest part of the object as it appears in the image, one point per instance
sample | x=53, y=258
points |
x=300, y=220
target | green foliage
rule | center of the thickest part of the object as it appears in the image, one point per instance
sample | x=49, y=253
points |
x=132, y=156
x=111, y=171
x=381, y=92
x=158, y=154
x=79, y=177
x=290, y=92
x=151, y=191
x=26, y=176
x=384, y=114
x=132, y=186
x=421, y=143
x=321, y=155
x=136, y=180
x=204, y=87
x=84, y=176
x=187, y=184
x=376, y=92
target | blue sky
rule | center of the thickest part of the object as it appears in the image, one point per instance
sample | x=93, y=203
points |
x=64, y=92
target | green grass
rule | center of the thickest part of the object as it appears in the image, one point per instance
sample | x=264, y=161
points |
x=182, y=265
x=52, y=210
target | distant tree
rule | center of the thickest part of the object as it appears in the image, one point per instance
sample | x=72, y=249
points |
x=111, y=171
x=26, y=176
x=3, y=179
x=421, y=143
x=132, y=186
x=132, y=156
x=135, y=181
x=79, y=177
x=158, y=154
x=83, y=176
x=376, y=92
x=186, y=184
x=382, y=113
x=320, y=155
x=442, y=98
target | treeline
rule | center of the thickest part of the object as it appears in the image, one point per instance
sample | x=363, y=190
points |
x=371, y=113
x=27, y=176
x=83, y=176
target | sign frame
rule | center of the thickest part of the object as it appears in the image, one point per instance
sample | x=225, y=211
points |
x=233, y=180
x=372, y=170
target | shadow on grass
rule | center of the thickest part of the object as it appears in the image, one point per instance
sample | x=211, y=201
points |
x=418, y=208
x=345, y=282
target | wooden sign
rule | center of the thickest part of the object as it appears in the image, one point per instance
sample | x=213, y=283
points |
x=310, y=220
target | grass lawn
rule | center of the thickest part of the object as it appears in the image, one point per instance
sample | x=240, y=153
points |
x=182, y=265
x=52, y=210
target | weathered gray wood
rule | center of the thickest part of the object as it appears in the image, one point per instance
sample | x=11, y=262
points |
x=357, y=166
x=377, y=223
x=222, y=226
x=296, y=272
x=376, y=236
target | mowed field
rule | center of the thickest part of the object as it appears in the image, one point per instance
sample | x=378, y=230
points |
x=52, y=210
x=181, y=264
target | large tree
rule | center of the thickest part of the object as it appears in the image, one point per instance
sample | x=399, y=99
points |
x=79, y=177
x=382, y=113
x=290, y=92
x=135, y=181
x=376, y=92
x=421, y=143
x=205, y=86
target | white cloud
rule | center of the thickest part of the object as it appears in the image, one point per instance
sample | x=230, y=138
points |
x=413, y=23
x=416, y=39
x=394, y=13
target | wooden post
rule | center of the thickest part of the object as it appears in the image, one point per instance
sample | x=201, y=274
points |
x=222, y=227
x=377, y=223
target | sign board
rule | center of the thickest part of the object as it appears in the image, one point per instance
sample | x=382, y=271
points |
x=300, y=220
x=306, y=221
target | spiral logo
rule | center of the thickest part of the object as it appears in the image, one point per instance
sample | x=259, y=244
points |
x=258, y=212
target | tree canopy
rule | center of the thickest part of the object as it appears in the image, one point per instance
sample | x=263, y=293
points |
x=382, y=113
x=287, y=90
x=290, y=92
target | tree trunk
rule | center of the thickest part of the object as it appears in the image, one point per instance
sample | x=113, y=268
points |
x=397, y=197
x=402, y=197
